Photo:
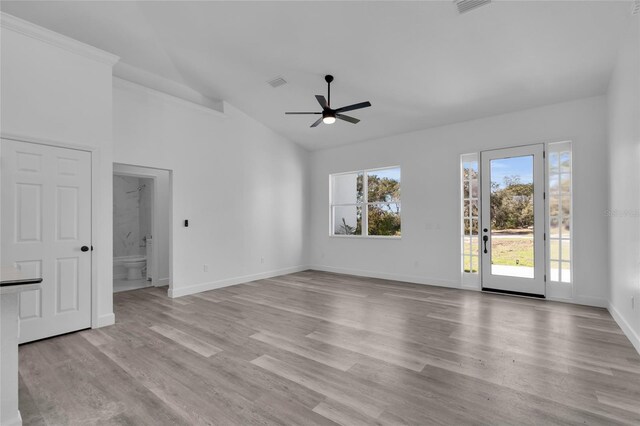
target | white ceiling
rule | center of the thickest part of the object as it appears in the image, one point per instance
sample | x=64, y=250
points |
x=419, y=62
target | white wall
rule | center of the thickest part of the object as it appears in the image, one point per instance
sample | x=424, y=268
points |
x=242, y=187
x=429, y=250
x=161, y=186
x=624, y=184
x=57, y=89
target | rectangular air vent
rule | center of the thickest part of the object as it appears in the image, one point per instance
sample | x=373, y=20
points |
x=467, y=5
x=277, y=82
x=636, y=7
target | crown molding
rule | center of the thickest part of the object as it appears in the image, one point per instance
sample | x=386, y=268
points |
x=34, y=31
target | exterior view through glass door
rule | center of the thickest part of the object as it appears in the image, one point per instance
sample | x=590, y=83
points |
x=513, y=223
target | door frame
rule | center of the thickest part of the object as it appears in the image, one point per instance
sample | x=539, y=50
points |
x=97, y=320
x=540, y=208
x=154, y=221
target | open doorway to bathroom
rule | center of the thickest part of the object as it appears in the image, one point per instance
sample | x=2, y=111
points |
x=141, y=227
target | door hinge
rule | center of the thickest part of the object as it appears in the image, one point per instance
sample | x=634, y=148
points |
x=544, y=154
x=544, y=195
x=545, y=278
x=545, y=236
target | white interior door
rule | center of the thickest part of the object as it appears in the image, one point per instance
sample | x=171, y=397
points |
x=46, y=231
x=512, y=231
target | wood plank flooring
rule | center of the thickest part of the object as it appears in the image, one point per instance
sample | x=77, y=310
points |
x=316, y=348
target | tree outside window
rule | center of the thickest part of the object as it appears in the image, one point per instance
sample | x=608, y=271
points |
x=366, y=203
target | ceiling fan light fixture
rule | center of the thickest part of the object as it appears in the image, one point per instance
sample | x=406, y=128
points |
x=329, y=118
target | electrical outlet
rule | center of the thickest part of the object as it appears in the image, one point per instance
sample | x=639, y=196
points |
x=205, y=268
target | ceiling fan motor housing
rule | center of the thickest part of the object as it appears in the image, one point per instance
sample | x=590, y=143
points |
x=328, y=113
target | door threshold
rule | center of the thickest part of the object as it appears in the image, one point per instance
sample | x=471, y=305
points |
x=513, y=293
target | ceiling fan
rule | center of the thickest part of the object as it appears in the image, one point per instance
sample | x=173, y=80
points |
x=329, y=115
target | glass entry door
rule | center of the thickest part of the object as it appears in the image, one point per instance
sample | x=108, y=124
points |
x=512, y=231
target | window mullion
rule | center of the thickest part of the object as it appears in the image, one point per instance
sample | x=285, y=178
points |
x=365, y=206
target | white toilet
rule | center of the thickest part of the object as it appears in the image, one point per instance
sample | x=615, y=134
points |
x=134, y=266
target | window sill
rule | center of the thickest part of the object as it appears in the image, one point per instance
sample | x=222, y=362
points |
x=368, y=237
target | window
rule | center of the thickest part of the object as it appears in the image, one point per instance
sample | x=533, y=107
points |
x=470, y=213
x=366, y=203
x=559, y=165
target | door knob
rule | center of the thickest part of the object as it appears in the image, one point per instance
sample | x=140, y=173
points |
x=84, y=248
x=485, y=239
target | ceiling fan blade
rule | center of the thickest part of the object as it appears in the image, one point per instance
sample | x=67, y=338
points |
x=347, y=118
x=303, y=113
x=354, y=106
x=322, y=101
x=317, y=122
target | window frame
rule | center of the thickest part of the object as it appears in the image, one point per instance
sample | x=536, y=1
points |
x=364, y=204
x=559, y=147
x=472, y=157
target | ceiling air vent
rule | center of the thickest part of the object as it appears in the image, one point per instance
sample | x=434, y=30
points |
x=636, y=7
x=277, y=82
x=467, y=5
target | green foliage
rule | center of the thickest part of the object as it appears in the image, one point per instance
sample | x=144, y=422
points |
x=383, y=218
x=511, y=204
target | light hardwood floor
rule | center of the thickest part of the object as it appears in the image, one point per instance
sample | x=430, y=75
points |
x=318, y=348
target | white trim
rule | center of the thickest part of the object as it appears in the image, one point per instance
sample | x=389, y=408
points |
x=475, y=287
x=597, y=302
x=37, y=32
x=414, y=279
x=199, y=288
x=95, y=192
x=15, y=421
x=364, y=205
x=473, y=278
x=150, y=173
x=119, y=83
x=373, y=237
x=562, y=287
x=162, y=282
x=537, y=283
x=105, y=320
x=46, y=141
x=633, y=337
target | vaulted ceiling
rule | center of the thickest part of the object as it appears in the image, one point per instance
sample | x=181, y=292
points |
x=421, y=64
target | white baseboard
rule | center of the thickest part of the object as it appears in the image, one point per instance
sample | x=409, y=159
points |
x=386, y=276
x=589, y=301
x=581, y=300
x=475, y=287
x=198, y=288
x=161, y=282
x=14, y=421
x=626, y=328
x=105, y=320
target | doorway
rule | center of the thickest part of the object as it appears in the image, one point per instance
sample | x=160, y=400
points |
x=133, y=208
x=141, y=227
x=512, y=234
